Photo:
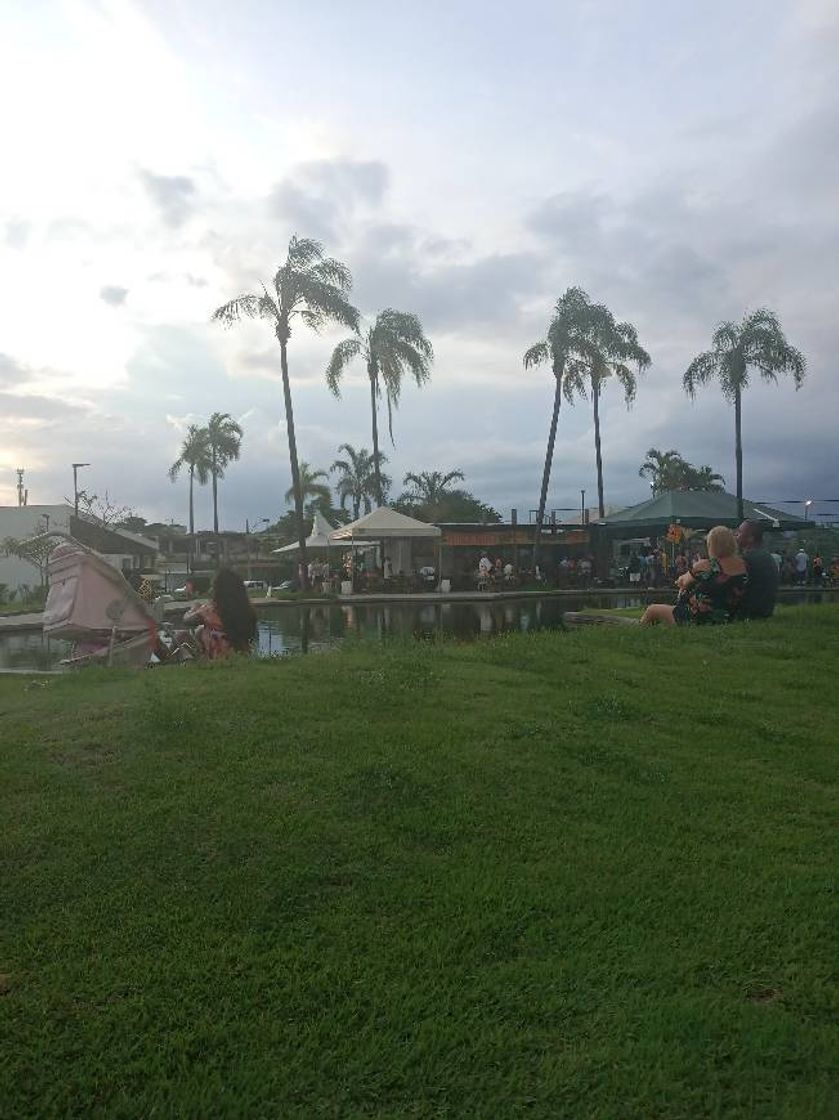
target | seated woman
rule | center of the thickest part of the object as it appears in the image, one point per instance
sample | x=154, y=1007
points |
x=711, y=591
x=228, y=621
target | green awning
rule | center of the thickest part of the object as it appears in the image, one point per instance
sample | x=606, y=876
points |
x=695, y=509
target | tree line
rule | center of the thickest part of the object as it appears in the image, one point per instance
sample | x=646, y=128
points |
x=584, y=346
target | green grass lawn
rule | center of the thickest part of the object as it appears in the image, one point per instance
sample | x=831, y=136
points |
x=588, y=875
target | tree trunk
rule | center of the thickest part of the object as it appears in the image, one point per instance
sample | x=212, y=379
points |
x=377, y=474
x=546, y=474
x=190, y=558
x=215, y=509
x=738, y=452
x=295, y=470
x=595, y=397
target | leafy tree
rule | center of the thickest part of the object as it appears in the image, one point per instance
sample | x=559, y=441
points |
x=428, y=487
x=453, y=505
x=357, y=480
x=668, y=470
x=392, y=348
x=312, y=487
x=616, y=349
x=224, y=443
x=103, y=511
x=315, y=288
x=756, y=343
x=196, y=457
x=33, y=550
x=571, y=348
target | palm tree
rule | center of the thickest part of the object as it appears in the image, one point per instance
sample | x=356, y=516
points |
x=394, y=346
x=757, y=342
x=311, y=486
x=616, y=347
x=195, y=455
x=429, y=487
x=357, y=478
x=570, y=348
x=224, y=441
x=316, y=288
x=663, y=468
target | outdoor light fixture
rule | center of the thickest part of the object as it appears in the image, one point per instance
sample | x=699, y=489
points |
x=807, y=505
x=76, y=468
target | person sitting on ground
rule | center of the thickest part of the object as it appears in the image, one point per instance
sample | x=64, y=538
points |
x=711, y=591
x=762, y=589
x=227, y=624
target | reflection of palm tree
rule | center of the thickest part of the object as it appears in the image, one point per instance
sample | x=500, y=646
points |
x=357, y=478
x=315, y=288
x=195, y=455
x=429, y=487
x=757, y=342
x=312, y=487
x=224, y=440
x=394, y=346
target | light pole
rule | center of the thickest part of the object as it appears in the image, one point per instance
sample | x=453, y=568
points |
x=76, y=467
x=807, y=505
x=257, y=521
x=582, y=507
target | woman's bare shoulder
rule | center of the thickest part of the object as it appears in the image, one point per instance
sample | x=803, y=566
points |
x=701, y=565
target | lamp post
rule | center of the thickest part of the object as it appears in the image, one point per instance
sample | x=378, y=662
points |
x=76, y=468
x=582, y=507
x=807, y=505
x=257, y=521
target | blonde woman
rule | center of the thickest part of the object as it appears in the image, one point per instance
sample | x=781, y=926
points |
x=711, y=591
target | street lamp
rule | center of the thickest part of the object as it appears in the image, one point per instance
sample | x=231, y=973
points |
x=582, y=507
x=76, y=468
x=807, y=505
x=257, y=521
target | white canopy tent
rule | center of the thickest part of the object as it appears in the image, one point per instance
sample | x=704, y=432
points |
x=318, y=539
x=386, y=524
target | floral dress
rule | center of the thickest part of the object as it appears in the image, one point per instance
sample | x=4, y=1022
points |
x=713, y=597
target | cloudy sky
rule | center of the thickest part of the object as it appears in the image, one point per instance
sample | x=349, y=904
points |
x=469, y=159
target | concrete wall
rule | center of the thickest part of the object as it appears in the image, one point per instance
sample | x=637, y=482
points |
x=22, y=522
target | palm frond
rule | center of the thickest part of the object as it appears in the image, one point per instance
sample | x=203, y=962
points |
x=243, y=307
x=536, y=355
x=700, y=371
x=333, y=272
x=342, y=355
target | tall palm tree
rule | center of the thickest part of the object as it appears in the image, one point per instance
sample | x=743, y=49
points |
x=195, y=456
x=429, y=487
x=570, y=348
x=394, y=346
x=311, y=485
x=315, y=288
x=704, y=478
x=756, y=343
x=224, y=440
x=357, y=478
x=616, y=348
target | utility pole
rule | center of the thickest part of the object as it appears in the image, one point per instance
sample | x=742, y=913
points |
x=76, y=467
x=22, y=494
x=582, y=507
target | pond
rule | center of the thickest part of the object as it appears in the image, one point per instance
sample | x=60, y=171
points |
x=292, y=629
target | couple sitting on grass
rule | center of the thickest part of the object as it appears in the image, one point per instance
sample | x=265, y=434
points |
x=729, y=585
x=227, y=624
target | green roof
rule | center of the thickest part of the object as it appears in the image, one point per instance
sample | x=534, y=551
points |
x=697, y=509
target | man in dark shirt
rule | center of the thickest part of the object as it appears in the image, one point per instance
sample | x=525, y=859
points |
x=762, y=588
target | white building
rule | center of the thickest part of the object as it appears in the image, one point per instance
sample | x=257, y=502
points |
x=22, y=522
x=126, y=551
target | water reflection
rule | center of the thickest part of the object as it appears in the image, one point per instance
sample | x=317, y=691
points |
x=310, y=629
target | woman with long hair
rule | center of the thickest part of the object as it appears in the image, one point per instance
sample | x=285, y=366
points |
x=227, y=624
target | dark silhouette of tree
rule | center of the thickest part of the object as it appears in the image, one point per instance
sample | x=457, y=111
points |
x=315, y=288
x=195, y=456
x=755, y=343
x=357, y=480
x=394, y=347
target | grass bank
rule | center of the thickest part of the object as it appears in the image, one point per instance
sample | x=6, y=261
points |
x=588, y=875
